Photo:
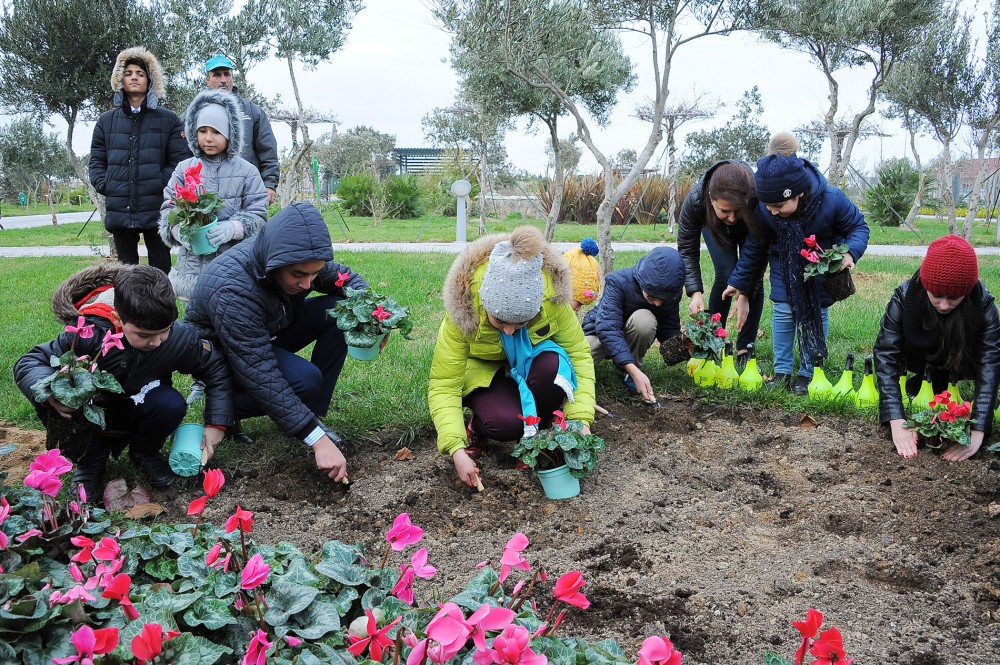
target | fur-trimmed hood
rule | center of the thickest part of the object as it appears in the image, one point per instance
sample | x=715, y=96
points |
x=461, y=296
x=234, y=112
x=156, y=90
x=79, y=285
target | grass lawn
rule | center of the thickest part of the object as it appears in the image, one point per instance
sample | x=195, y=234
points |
x=10, y=210
x=433, y=228
x=390, y=393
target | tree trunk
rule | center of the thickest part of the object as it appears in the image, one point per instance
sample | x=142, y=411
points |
x=948, y=192
x=301, y=150
x=560, y=179
x=671, y=179
x=918, y=200
x=835, y=172
x=52, y=200
x=981, y=145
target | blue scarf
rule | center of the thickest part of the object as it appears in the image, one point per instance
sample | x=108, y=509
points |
x=520, y=354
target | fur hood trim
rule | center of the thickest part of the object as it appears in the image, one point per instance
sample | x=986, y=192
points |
x=79, y=285
x=156, y=93
x=234, y=112
x=461, y=303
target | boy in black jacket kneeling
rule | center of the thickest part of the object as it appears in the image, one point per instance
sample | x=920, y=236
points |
x=136, y=338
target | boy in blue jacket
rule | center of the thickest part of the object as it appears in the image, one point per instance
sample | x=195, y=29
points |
x=639, y=304
x=795, y=203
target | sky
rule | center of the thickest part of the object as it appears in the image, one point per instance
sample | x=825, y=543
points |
x=394, y=70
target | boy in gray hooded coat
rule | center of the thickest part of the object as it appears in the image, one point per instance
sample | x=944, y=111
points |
x=213, y=126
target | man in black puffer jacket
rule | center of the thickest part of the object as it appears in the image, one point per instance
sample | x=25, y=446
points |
x=135, y=147
x=252, y=301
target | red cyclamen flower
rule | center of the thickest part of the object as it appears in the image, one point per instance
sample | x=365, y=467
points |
x=376, y=641
x=530, y=420
x=811, y=241
x=381, y=314
x=90, y=643
x=342, y=278
x=192, y=175
x=829, y=649
x=721, y=332
x=568, y=590
x=241, y=519
x=808, y=630
x=187, y=193
x=559, y=420
x=118, y=590
x=148, y=644
x=715, y=318
x=214, y=480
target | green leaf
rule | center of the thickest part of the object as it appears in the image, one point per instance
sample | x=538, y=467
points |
x=161, y=568
x=319, y=619
x=339, y=564
x=298, y=572
x=286, y=598
x=774, y=659
x=171, y=602
x=189, y=649
x=213, y=613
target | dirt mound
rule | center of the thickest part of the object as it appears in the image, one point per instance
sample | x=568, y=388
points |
x=717, y=528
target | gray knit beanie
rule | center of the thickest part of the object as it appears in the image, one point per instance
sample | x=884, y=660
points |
x=513, y=284
x=214, y=116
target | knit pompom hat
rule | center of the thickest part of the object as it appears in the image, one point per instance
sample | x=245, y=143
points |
x=216, y=117
x=513, y=284
x=586, y=271
x=781, y=174
x=950, y=267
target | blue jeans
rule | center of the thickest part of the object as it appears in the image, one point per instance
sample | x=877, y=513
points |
x=783, y=331
x=724, y=258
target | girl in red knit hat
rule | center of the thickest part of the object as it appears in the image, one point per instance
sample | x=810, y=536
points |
x=943, y=319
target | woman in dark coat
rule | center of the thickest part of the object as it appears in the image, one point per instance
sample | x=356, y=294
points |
x=943, y=319
x=719, y=208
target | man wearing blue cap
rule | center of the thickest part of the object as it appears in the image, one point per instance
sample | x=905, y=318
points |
x=261, y=149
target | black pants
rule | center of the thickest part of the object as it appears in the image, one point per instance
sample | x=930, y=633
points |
x=495, y=409
x=127, y=246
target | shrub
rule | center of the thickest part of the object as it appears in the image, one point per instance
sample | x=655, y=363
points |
x=888, y=201
x=356, y=191
x=402, y=193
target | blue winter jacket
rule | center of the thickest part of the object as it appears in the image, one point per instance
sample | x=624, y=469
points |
x=660, y=274
x=836, y=221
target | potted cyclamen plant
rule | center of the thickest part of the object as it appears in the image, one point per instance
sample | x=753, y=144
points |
x=943, y=421
x=838, y=283
x=560, y=455
x=195, y=211
x=707, y=336
x=75, y=383
x=366, y=317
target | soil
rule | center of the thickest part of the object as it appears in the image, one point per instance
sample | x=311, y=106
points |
x=715, y=527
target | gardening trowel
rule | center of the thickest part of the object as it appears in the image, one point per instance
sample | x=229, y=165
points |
x=604, y=412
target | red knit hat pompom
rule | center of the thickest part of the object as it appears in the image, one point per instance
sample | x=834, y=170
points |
x=950, y=267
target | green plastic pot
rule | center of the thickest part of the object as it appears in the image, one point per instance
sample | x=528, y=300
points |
x=199, y=240
x=366, y=352
x=185, y=451
x=559, y=483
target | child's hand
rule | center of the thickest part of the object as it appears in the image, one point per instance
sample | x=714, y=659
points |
x=697, y=303
x=330, y=460
x=468, y=470
x=210, y=439
x=60, y=408
x=221, y=233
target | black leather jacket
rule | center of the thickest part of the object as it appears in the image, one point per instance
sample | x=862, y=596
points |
x=890, y=361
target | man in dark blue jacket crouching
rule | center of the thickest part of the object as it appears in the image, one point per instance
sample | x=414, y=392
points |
x=639, y=304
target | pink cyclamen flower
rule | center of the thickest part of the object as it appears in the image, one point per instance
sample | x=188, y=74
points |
x=51, y=461
x=342, y=278
x=90, y=643
x=559, y=419
x=486, y=619
x=568, y=590
x=721, y=332
x=403, y=533
x=381, y=314
x=241, y=519
x=658, y=651
x=448, y=631
x=377, y=641
x=811, y=241
x=192, y=174
x=512, y=555
x=811, y=257
x=213, y=554
x=292, y=641
x=148, y=644
x=111, y=341
x=84, y=331
x=419, y=563
x=78, y=592
x=254, y=573
x=257, y=649
x=716, y=318
x=86, y=546
x=118, y=590
x=30, y=533
x=403, y=589
x=511, y=647
x=45, y=482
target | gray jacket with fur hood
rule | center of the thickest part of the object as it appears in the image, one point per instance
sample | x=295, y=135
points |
x=235, y=180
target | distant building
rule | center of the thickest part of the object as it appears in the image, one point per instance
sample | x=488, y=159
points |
x=968, y=170
x=417, y=160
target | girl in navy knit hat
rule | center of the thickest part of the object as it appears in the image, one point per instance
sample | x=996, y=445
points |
x=795, y=203
x=943, y=319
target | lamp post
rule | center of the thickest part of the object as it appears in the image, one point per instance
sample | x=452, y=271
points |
x=461, y=189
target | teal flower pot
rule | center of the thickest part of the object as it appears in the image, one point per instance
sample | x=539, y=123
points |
x=366, y=353
x=559, y=483
x=199, y=241
x=185, y=452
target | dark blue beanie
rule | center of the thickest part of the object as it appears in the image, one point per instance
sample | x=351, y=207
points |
x=779, y=178
x=661, y=273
